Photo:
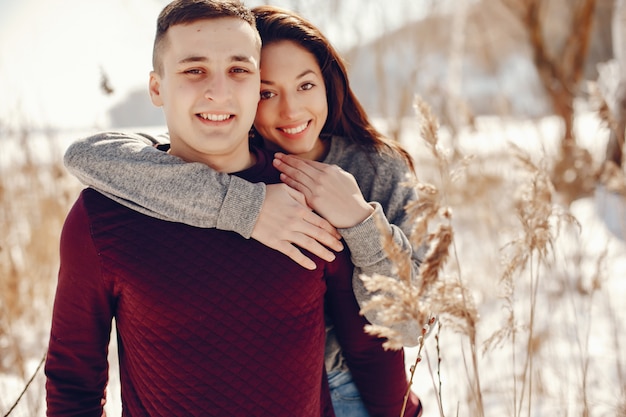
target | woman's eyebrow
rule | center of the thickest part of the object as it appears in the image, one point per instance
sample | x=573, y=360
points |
x=302, y=74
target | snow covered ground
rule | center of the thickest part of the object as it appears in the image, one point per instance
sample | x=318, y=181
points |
x=576, y=329
x=580, y=330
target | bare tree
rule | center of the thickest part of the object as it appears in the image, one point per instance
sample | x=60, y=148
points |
x=561, y=71
x=615, y=147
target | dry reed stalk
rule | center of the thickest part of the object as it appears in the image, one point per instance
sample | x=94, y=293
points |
x=540, y=220
x=431, y=294
x=34, y=200
x=455, y=301
x=617, y=347
x=426, y=330
x=613, y=177
x=583, y=345
x=437, y=384
x=600, y=106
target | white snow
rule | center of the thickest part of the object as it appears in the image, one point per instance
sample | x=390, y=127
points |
x=577, y=330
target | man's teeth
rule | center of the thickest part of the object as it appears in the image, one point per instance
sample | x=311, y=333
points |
x=298, y=129
x=215, y=117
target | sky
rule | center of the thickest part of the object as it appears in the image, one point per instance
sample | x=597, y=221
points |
x=53, y=52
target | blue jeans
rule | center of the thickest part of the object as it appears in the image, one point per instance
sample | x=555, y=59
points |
x=345, y=396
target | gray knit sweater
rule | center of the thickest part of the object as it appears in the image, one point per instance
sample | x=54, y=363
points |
x=126, y=168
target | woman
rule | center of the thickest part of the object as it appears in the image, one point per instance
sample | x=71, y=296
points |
x=308, y=110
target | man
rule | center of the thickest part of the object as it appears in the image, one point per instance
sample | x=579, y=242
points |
x=208, y=323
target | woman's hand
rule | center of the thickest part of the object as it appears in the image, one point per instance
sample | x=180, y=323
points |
x=285, y=220
x=329, y=190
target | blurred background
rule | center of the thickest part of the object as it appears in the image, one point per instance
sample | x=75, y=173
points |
x=545, y=76
x=75, y=64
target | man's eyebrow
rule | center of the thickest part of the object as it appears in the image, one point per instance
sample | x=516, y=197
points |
x=193, y=59
x=302, y=74
x=242, y=58
x=234, y=58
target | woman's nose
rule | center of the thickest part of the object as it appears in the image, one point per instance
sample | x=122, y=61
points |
x=289, y=106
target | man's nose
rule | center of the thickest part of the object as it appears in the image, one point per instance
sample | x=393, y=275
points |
x=217, y=88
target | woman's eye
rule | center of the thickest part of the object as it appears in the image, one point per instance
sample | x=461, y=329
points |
x=307, y=86
x=266, y=95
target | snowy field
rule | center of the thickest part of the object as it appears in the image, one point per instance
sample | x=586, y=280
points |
x=580, y=331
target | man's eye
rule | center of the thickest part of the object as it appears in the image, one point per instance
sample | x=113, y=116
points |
x=193, y=71
x=266, y=95
x=240, y=70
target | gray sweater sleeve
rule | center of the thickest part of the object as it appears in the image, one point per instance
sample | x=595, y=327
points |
x=128, y=169
x=381, y=179
x=369, y=258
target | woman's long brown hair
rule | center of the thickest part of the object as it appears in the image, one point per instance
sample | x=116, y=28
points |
x=346, y=116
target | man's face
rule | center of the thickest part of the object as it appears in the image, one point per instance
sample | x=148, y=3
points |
x=209, y=89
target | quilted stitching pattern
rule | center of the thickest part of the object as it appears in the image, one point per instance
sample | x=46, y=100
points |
x=209, y=323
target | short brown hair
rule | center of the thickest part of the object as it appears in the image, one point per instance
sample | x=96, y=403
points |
x=180, y=12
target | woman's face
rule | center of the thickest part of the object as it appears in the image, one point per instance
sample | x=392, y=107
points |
x=293, y=107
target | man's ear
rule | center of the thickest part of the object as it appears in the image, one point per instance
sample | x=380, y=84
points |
x=155, y=89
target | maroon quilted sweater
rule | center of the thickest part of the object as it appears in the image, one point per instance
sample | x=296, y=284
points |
x=208, y=323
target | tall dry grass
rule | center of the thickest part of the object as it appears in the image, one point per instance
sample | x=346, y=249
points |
x=526, y=307
x=35, y=193
x=526, y=319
